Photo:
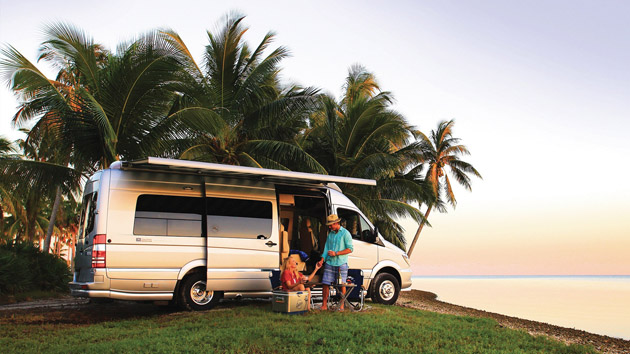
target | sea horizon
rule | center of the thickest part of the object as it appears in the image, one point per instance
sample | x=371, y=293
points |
x=595, y=303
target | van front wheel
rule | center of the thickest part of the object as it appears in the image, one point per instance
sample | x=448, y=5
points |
x=195, y=297
x=385, y=289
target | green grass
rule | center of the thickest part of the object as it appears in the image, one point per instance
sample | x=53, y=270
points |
x=255, y=329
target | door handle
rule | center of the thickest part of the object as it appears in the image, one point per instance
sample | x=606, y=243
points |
x=270, y=243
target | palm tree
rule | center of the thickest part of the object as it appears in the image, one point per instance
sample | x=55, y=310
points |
x=29, y=179
x=361, y=136
x=67, y=228
x=48, y=101
x=101, y=106
x=440, y=151
x=251, y=118
x=6, y=150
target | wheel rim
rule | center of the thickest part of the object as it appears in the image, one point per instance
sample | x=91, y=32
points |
x=199, y=295
x=387, y=290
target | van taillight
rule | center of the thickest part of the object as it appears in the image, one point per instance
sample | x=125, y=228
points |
x=98, y=251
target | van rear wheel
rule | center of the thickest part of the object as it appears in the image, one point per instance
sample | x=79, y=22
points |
x=195, y=297
x=385, y=289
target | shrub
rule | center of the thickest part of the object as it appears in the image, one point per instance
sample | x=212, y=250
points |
x=24, y=268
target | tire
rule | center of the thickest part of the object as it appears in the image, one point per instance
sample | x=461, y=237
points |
x=385, y=289
x=193, y=297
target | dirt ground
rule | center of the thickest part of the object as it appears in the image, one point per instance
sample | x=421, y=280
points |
x=80, y=312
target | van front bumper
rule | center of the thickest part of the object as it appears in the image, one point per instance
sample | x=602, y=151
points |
x=405, y=279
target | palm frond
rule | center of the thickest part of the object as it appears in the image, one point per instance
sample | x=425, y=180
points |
x=177, y=42
x=285, y=154
x=450, y=196
x=201, y=119
x=247, y=160
x=33, y=88
x=24, y=176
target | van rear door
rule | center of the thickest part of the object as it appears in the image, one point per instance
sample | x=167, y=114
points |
x=83, y=252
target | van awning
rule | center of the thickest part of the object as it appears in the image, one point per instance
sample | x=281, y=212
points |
x=158, y=163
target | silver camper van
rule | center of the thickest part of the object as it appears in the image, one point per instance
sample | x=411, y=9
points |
x=192, y=232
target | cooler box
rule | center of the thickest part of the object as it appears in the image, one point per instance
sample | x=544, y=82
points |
x=294, y=302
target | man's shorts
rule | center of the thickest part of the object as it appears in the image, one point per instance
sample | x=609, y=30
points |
x=330, y=273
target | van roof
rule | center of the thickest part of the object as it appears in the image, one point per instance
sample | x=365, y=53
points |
x=159, y=163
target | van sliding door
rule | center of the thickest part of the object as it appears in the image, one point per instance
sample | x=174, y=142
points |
x=242, y=244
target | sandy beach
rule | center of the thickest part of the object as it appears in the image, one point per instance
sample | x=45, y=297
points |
x=424, y=300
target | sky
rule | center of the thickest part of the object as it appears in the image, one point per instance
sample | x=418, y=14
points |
x=539, y=90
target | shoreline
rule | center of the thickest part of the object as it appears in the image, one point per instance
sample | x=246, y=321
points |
x=427, y=301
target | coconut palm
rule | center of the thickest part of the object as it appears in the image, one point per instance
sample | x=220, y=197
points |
x=104, y=106
x=51, y=102
x=30, y=180
x=361, y=136
x=66, y=228
x=254, y=120
x=101, y=106
x=440, y=151
x=6, y=150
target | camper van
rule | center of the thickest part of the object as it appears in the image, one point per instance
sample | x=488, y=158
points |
x=192, y=233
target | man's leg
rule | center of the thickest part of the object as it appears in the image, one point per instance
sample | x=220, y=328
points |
x=327, y=278
x=325, y=293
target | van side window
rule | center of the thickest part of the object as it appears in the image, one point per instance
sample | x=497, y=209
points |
x=160, y=215
x=355, y=224
x=239, y=218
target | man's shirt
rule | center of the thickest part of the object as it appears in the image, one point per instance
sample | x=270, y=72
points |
x=337, y=242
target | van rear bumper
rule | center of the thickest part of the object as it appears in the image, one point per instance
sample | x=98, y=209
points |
x=83, y=290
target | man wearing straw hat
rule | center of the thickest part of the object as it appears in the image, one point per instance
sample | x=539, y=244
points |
x=338, y=246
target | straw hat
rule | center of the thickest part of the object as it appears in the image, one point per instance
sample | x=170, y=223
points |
x=331, y=219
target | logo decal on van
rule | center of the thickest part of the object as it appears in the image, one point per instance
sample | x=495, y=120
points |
x=140, y=239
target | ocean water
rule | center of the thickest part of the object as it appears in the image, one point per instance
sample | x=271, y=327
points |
x=596, y=304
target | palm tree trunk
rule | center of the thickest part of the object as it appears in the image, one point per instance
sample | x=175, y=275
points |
x=1, y=221
x=51, y=224
x=30, y=230
x=415, y=238
x=31, y=214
